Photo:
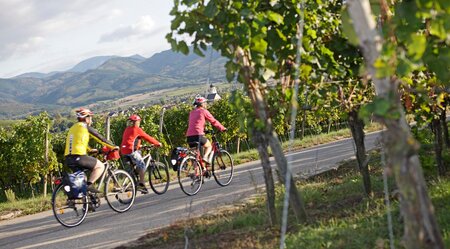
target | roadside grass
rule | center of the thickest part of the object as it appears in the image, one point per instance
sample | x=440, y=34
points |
x=33, y=205
x=25, y=206
x=339, y=216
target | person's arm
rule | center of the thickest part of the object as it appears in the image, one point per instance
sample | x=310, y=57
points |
x=213, y=121
x=148, y=138
x=100, y=139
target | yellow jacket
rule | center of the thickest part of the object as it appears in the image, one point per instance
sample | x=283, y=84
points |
x=78, y=139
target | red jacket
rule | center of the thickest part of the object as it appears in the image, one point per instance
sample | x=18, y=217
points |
x=131, y=139
x=197, y=118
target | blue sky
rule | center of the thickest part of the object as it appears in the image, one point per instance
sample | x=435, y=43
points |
x=53, y=35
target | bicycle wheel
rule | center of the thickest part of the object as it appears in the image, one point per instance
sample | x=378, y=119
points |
x=190, y=176
x=68, y=212
x=158, y=176
x=222, y=167
x=120, y=191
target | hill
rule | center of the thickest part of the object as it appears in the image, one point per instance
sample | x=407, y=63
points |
x=106, y=78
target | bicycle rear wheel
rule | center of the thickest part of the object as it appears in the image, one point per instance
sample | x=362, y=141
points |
x=158, y=176
x=223, y=168
x=120, y=191
x=68, y=212
x=190, y=176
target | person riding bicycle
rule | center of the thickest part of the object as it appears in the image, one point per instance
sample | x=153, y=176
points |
x=131, y=143
x=77, y=146
x=196, y=131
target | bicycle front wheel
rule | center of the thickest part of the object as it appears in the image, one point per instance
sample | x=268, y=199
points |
x=158, y=176
x=68, y=212
x=190, y=176
x=120, y=191
x=222, y=167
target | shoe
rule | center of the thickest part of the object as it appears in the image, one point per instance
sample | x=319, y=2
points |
x=141, y=187
x=92, y=189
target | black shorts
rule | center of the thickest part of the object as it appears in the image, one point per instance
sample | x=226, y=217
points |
x=193, y=140
x=78, y=162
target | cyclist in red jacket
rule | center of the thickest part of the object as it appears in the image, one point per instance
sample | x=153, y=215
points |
x=131, y=143
x=196, y=130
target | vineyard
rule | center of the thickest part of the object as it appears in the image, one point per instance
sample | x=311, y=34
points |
x=306, y=67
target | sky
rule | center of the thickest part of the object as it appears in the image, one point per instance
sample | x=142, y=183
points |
x=54, y=35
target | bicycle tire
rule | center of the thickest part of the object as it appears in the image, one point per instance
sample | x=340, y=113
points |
x=158, y=177
x=120, y=191
x=222, y=167
x=68, y=212
x=190, y=176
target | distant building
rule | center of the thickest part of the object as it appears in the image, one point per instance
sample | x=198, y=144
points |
x=212, y=94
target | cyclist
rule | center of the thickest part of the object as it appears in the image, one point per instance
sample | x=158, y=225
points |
x=131, y=143
x=196, y=130
x=75, y=153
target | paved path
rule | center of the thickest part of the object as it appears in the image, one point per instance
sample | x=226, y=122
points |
x=107, y=229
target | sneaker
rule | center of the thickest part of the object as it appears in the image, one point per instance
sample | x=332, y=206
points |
x=141, y=187
x=92, y=189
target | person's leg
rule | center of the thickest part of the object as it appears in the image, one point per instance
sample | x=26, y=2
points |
x=141, y=176
x=140, y=164
x=208, y=149
x=96, y=172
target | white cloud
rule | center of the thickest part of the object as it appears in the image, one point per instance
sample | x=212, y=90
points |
x=23, y=21
x=115, y=13
x=142, y=28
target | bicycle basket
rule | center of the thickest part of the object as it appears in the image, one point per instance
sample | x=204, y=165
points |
x=177, y=156
x=75, y=187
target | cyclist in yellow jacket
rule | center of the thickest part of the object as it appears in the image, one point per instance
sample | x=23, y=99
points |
x=76, y=149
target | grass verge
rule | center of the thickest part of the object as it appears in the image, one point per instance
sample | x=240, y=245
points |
x=339, y=217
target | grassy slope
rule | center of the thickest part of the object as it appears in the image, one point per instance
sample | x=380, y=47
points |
x=339, y=217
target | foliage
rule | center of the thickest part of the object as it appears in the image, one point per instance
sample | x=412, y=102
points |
x=22, y=154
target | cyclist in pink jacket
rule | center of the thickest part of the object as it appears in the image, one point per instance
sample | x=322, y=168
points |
x=196, y=130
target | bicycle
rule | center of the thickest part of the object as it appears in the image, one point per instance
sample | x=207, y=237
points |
x=158, y=172
x=193, y=169
x=118, y=188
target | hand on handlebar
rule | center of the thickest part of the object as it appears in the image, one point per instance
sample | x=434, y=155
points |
x=93, y=151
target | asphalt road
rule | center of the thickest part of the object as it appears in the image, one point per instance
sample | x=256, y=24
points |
x=107, y=229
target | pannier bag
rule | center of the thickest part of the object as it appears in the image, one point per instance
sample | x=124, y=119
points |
x=76, y=187
x=111, y=155
x=177, y=156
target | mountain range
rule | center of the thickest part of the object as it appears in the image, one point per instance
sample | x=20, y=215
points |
x=106, y=78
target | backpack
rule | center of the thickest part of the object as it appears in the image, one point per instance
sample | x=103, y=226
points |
x=76, y=185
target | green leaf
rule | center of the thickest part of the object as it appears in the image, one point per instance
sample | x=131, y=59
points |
x=437, y=28
x=259, y=44
x=275, y=17
x=183, y=48
x=404, y=67
x=281, y=35
x=211, y=9
x=312, y=33
x=381, y=107
x=230, y=69
x=416, y=46
x=198, y=51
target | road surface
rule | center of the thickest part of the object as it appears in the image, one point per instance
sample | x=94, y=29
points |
x=108, y=229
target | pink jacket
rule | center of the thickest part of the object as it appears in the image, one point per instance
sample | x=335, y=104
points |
x=197, y=119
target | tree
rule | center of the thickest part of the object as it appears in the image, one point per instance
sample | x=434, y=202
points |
x=421, y=229
x=270, y=28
